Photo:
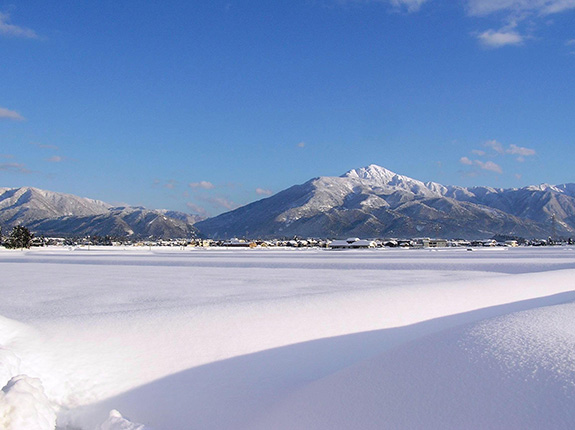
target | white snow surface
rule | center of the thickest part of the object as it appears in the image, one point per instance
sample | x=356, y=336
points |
x=24, y=406
x=140, y=339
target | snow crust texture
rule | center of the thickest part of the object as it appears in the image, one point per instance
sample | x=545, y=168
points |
x=111, y=339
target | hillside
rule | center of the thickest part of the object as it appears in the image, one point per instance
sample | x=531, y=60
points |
x=375, y=202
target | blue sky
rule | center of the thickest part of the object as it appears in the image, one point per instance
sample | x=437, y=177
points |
x=206, y=106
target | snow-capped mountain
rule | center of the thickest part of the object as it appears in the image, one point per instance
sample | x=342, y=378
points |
x=27, y=204
x=58, y=214
x=375, y=202
x=366, y=202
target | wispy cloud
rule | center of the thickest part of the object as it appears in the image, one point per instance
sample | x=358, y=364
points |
x=512, y=14
x=409, y=5
x=44, y=146
x=12, y=30
x=301, y=145
x=498, y=150
x=225, y=203
x=520, y=151
x=500, y=38
x=197, y=209
x=14, y=167
x=488, y=165
x=171, y=184
x=539, y=7
x=484, y=165
x=264, y=192
x=406, y=5
x=55, y=159
x=495, y=145
x=10, y=114
x=218, y=202
x=202, y=185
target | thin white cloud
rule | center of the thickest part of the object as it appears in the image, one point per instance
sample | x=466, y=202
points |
x=410, y=5
x=514, y=14
x=500, y=38
x=539, y=7
x=225, y=203
x=10, y=114
x=171, y=184
x=55, y=159
x=488, y=165
x=301, y=145
x=570, y=42
x=558, y=6
x=218, y=202
x=11, y=30
x=202, y=184
x=14, y=167
x=519, y=150
x=484, y=165
x=197, y=209
x=44, y=146
x=263, y=192
x=407, y=5
x=494, y=145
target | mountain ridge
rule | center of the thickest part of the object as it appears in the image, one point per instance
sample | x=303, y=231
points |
x=373, y=201
x=59, y=214
x=370, y=201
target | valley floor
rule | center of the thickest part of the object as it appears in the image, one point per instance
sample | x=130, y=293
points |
x=106, y=338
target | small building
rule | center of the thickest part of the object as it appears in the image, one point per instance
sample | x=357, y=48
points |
x=352, y=243
x=237, y=243
x=438, y=243
x=426, y=242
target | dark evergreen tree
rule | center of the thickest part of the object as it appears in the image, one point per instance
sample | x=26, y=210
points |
x=20, y=237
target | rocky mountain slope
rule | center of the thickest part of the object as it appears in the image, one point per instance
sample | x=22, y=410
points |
x=375, y=202
x=57, y=214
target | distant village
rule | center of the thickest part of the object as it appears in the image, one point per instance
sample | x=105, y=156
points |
x=349, y=243
x=21, y=237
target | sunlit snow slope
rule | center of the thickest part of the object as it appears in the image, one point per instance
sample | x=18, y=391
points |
x=261, y=339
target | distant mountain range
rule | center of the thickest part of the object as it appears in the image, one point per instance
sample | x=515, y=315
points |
x=368, y=202
x=375, y=202
x=57, y=214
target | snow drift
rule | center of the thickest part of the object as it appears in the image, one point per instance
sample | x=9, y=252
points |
x=253, y=339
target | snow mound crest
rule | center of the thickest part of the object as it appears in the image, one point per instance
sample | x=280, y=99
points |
x=24, y=406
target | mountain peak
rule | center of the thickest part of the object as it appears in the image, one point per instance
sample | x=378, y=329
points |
x=373, y=172
x=378, y=176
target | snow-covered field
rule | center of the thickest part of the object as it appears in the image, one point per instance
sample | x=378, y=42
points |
x=171, y=339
